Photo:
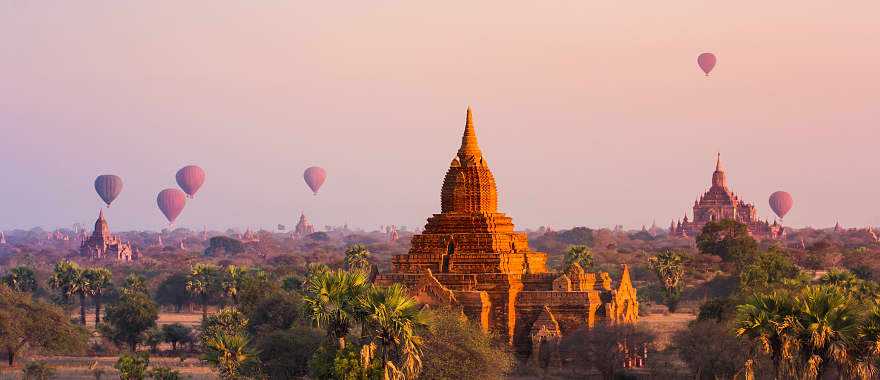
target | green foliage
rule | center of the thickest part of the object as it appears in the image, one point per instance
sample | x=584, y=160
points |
x=357, y=257
x=285, y=354
x=67, y=277
x=21, y=279
x=718, y=310
x=604, y=346
x=172, y=291
x=333, y=300
x=176, y=334
x=578, y=254
x=135, y=283
x=153, y=338
x=203, y=283
x=576, y=236
x=132, y=366
x=163, y=373
x=458, y=349
x=357, y=363
x=391, y=321
x=767, y=271
x=28, y=323
x=710, y=350
x=277, y=311
x=37, y=370
x=669, y=268
x=100, y=281
x=223, y=244
x=292, y=283
x=229, y=321
x=129, y=318
x=229, y=354
x=729, y=240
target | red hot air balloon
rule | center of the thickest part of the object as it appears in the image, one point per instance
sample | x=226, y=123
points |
x=171, y=202
x=190, y=178
x=781, y=203
x=108, y=187
x=706, y=62
x=315, y=177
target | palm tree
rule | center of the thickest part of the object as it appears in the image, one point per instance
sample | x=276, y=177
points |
x=333, y=300
x=201, y=283
x=669, y=268
x=229, y=353
x=826, y=324
x=866, y=346
x=232, y=280
x=767, y=320
x=21, y=279
x=580, y=254
x=392, y=318
x=356, y=257
x=99, y=280
x=68, y=278
x=135, y=283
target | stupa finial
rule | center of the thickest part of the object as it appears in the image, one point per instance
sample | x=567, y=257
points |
x=718, y=162
x=469, y=153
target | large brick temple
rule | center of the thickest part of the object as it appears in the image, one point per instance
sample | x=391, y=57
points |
x=469, y=256
x=719, y=203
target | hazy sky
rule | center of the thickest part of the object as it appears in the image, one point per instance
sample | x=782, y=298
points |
x=589, y=112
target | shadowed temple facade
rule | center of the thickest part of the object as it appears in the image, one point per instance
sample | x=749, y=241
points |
x=470, y=256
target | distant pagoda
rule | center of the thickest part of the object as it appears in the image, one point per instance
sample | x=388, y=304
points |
x=470, y=257
x=719, y=203
x=102, y=245
x=303, y=227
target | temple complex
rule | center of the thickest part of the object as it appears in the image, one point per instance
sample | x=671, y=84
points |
x=719, y=203
x=470, y=257
x=103, y=245
x=303, y=227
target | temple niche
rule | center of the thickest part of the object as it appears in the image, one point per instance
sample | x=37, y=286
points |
x=719, y=203
x=101, y=244
x=470, y=257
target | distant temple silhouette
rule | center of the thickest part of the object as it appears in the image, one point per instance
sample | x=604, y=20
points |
x=102, y=244
x=470, y=257
x=719, y=203
x=303, y=227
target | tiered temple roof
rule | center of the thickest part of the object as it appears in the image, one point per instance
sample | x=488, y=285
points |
x=101, y=244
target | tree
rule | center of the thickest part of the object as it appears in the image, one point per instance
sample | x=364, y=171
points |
x=99, y=280
x=392, y=319
x=357, y=257
x=132, y=366
x=285, y=354
x=277, y=311
x=669, y=268
x=729, y=240
x=37, y=370
x=459, y=349
x=21, y=279
x=710, y=350
x=175, y=334
x=233, y=277
x=605, y=347
x=333, y=301
x=163, y=373
x=68, y=278
x=768, y=270
x=766, y=320
x=826, y=323
x=580, y=254
x=202, y=284
x=130, y=317
x=230, y=354
x=172, y=291
x=135, y=283
x=28, y=323
x=227, y=321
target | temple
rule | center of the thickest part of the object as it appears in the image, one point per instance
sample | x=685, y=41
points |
x=470, y=257
x=719, y=203
x=303, y=227
x=103, y=245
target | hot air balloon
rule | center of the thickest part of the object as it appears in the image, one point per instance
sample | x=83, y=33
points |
x=190, y=178
x=108, y=187
x=171, y=202
x=781, y=203
x=315, y=177
x=706, y=62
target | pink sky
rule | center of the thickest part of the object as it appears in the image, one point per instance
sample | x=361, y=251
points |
x=590, y=113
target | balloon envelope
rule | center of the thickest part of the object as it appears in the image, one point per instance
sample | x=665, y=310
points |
x=108, y=187
x=781, y=203
x=706, y=62
x=171, y=202
x=315, y=177
x=190, y=178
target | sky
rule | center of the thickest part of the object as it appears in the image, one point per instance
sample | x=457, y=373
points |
x=589, y=113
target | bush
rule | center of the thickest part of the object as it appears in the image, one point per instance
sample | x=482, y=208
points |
x=285, y=354
x=176, y=334
x=37, y=370
x=456, y=348
x=164, y=373
x=132, y=366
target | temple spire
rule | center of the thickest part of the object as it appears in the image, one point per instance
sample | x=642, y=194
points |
x=469, y=153
x=718, y=163
x=101, y=214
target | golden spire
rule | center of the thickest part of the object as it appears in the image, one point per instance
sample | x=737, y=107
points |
x=469, y=153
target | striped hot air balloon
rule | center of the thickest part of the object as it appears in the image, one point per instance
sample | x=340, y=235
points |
x=315, y=177
x=190, y=178
x=171, y=203
x=108, y=187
